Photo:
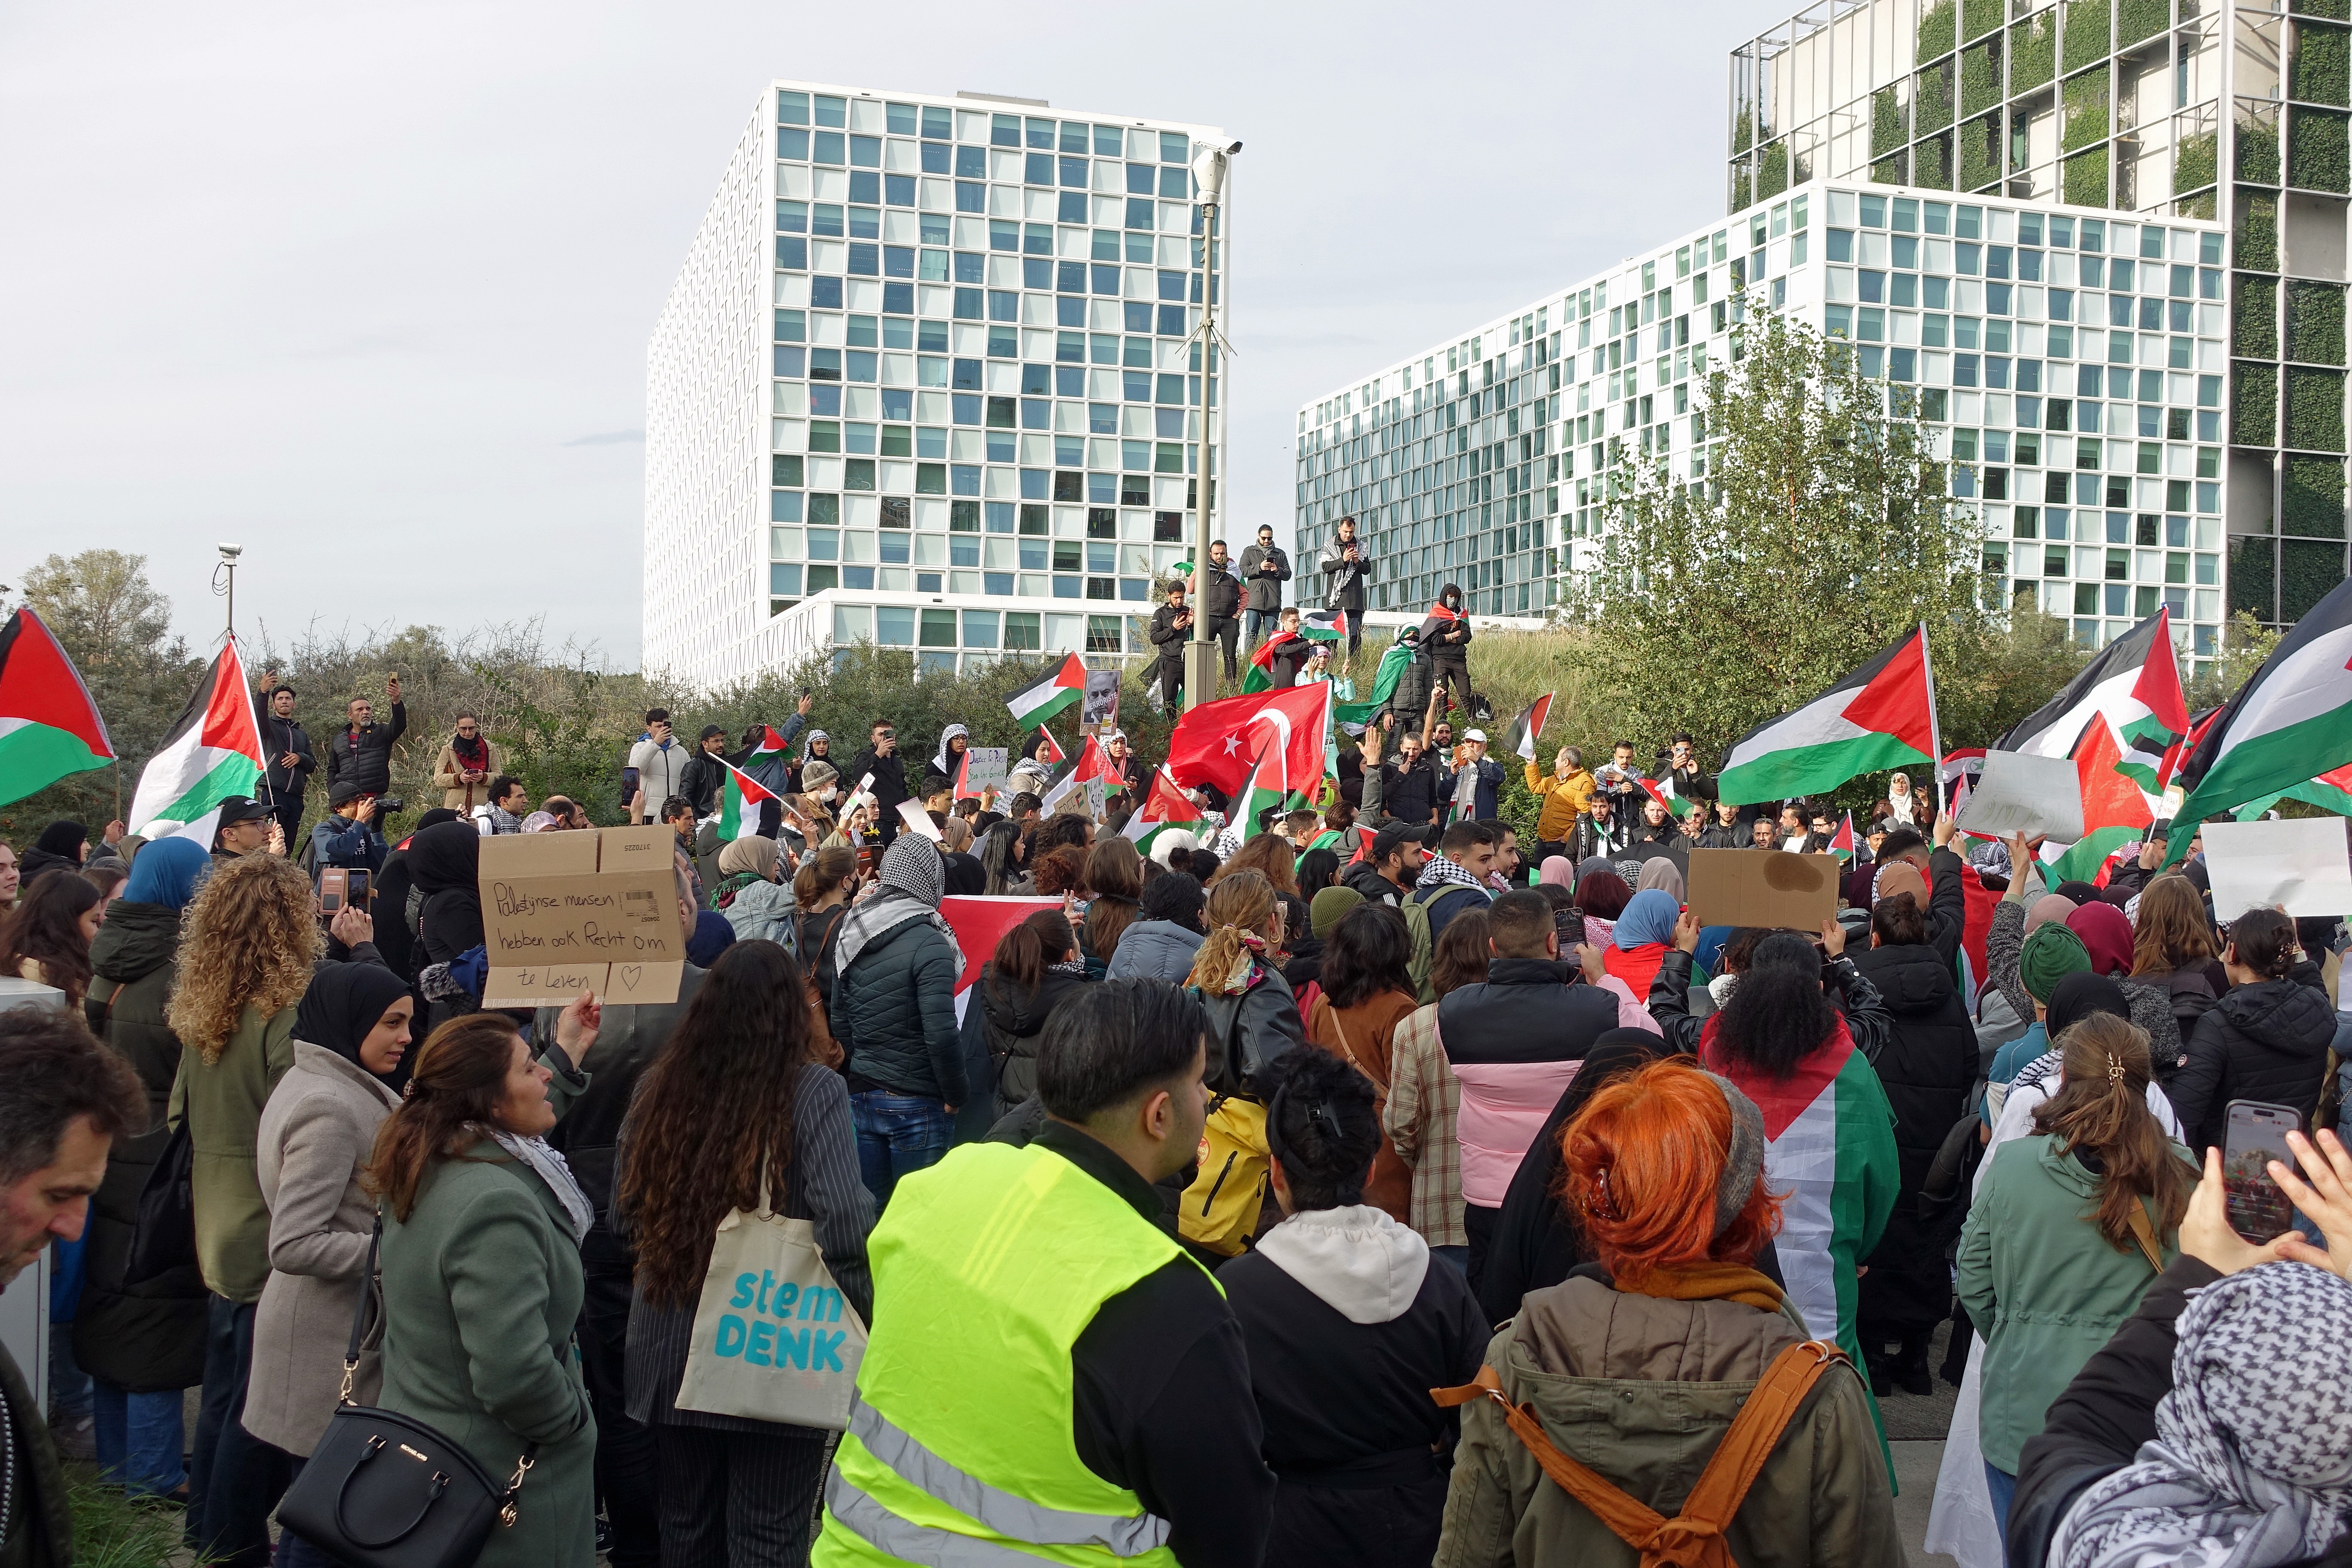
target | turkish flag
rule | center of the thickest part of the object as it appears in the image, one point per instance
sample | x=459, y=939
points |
x=1215, y=742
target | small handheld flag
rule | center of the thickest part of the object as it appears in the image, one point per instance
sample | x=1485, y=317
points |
x=1527, y=728
x=1051, y=751
x=1323, y=626
x=739, y=795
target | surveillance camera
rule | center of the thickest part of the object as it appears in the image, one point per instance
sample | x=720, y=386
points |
x=232, y=551
x=1234, y=149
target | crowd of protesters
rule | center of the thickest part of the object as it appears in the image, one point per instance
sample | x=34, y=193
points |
x=1363, y=1184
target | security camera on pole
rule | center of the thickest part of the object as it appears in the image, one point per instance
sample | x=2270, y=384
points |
x=1209, y=170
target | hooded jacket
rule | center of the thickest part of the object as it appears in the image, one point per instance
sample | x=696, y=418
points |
x=1017, y=1025
x=1643, y=1390
x=1155, y=950
x=1446, y=638
x=1514, y=1039
x=1349, y=1323
x=2265, y=1041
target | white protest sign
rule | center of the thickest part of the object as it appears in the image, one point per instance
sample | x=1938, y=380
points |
x=917, y=820
x=984, y=768
x=2041, y=797
x=2300, y=863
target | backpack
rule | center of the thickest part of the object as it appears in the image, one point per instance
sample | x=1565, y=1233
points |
x=1220, y=1208
x=1692, y=1538
x=1416, y=925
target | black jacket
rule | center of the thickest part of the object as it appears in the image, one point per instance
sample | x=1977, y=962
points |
x=1865, y=1012
x=279, y=736
x=1521, y=1013
x=627, y=1041
x=1220, y=593
x=362, y=757
x=1160, y=1400
x=1262, y=590
x=1365, y=878
x=1167, y=635
x=2265, y=1041
x=889, y=780
x=1690, y=783
x=1016, y=1023
x=1288, y=657
x=894, y=1014
x=1344, y=580
x=1410, y=795
x=1445, y=640
x=49, y=1515
x=701, y=779
x=1584, y=839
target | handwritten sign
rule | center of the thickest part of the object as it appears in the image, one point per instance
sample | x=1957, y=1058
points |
x=564, y=913
x=985, y=769
x=1768, y=887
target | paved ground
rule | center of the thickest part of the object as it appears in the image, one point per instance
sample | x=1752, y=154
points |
x=1914, y=1431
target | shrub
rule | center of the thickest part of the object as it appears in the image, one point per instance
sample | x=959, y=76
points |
x=2087, y=30
x=2253, y=570
x=1936, y=24
x=1772, y=171
x=2307, y=569
x=2196, y=163
x=2137, y=20
x=2254, y=318
x=2315, y=322
x=2085, y=111
x=2258, y=149
x=1887, y=132
x=2315, y=409
x=1932, y=108
x=2086, y=178
x=2316, y=68
x=1931, y=163
x=1981, y=155
x=2318, y=156
x=2254, y=404
x=1980, y=77
x=2033, y=51
x=2258, y=230
x=1981, y=16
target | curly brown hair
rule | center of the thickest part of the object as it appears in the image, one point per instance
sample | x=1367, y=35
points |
x=713, y=1116
x=249, y=940
x=451, y=1104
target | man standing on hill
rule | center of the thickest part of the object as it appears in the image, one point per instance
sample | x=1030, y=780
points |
x=1264, y=569
x=1346, y=565
x=361, y=755
x=288, y=762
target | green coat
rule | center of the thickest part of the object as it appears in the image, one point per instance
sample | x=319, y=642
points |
x=221, y=1103
x=481, y=1288
x=2043, y=1286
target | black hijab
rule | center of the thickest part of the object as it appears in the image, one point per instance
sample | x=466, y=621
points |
x=63, y=838
x=2078, y=996
x=345, y=1001
x=445, y=857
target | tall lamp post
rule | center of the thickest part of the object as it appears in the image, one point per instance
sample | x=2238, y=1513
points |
x=1209, y=170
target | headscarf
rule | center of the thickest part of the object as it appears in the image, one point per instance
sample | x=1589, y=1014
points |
x=941, y=762
x=2080, y=892
x=540, y=822
x=2107, y=933
x=445, y=858
x=1899, y=877
x=165, y=873
x=713, y=934
x=2251, y=1462
x=1557, y=872
x=912, y=882
x=2050, y=955
x=63, y=838
x=1603, y=895
x=1649, y=917
x=1328, y=908
x=1660, y=875
x=472, y=751
x=343, y=1003
x=2078, y=996
x=749, y=853
x=808, y=746
x=2047, y=908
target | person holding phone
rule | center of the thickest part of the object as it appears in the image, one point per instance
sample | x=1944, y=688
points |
x=880, y=761
x=2267, y=1038
x=2068, y=1229
x=347, y=837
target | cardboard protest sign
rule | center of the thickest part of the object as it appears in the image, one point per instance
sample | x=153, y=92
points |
x=2041, y=797
x=2300, y=863
x=564, y=913
x=917, y=820
x=1768, y=888
x=1101, y=709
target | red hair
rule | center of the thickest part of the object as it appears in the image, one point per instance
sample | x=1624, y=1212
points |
x=1643, y=1160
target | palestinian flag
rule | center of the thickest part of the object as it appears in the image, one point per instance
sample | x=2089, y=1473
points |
x=1051, y=751
x=1217, y=742
x=1059, y=689
x=2115, y=812
x=1164, y=806
x=48, y=725
x=1829, y=1144
x=1841, y=841
x=2329, y=792
x=771, y=744
x=980, y=923
x=2136, y=685
x=1660, y=790
x=1880, y=716
x=1394, y=661
x=1260, y=676
x=739, y=795
x=1527, y=728
x=2291, y=723
x=1266, y=789
x=1323, y=626
x=213, y=752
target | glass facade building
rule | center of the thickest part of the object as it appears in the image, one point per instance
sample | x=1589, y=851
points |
x=2072, y=365
x=928, y=378
x=2233, y=111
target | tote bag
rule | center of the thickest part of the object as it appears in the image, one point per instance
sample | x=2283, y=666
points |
x=774, y=1339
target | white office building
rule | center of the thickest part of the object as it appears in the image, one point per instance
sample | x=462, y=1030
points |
x=928, y=378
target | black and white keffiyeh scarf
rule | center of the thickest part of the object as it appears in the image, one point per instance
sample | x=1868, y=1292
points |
x=2251, y=1463
x=1439, y=870
x=913, y=881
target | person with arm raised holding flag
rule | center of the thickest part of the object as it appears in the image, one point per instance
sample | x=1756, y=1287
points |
x=1445, y=636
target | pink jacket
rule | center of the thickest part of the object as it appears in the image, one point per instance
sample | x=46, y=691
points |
x=1505, y=1104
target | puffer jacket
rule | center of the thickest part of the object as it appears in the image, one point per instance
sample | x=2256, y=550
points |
x=1016, y=1023
x=1927, y=1069
x=1514, y=1040
x=2265, y=1041
x=1155, y=950
x=148, y=1337
x=762, y=911
x=894, y=1015
x=1643, y=1390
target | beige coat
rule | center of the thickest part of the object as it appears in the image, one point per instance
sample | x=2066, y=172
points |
x=449, y=778
x=318, y=1129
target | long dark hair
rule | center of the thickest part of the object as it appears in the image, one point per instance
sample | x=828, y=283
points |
x=1777, y=1016
x=47, y=929
x=1317, y=869
x=713, y=1116
x=2103, y=1107
x=453, y=1090
x=1022, y=953
x=1369, y=952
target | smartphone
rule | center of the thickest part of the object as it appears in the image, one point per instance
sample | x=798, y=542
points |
x=2255, y=1134
x=356, y=885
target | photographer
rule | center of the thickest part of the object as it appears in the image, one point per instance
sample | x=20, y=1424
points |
x=1679, y=763
x=1346, y=566
x=286, y=747
x=361, y=755
x=347, y=837
x=1172, y=627
x=881, y=759
x=1264, y=569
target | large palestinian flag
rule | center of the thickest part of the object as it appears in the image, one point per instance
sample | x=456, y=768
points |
x=1880, y=716
x=739, y=795
x=213, y=752
x=1165, y=806
x=980, y=923
x=48, y=725
x=2291, y=723
x=2114, y=807
x=1394, y=661
x=1217, y=742
x=1058, y=690
x=2135, y=686
x=1259, y=677
x=2329, y=792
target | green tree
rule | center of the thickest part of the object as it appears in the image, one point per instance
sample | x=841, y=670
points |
x=117, y=629
x=1821, y=533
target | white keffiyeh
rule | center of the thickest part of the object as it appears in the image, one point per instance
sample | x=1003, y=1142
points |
x=551, y=1168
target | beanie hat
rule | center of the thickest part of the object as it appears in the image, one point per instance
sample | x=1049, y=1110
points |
x=1329, y=907
x=2049, y=955
x=816, y=774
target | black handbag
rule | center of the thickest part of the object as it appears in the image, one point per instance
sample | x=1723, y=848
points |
x=385, y=1490
x=164, y=1233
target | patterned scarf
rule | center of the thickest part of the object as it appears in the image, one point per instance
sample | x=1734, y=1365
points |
x=1440, y=871
x=551, y=1168
x=913, y=881
x=2252, y=1464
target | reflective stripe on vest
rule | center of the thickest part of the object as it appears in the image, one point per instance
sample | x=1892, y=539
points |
x=1002, y=1512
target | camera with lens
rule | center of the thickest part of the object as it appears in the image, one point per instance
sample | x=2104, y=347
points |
x=387, y=805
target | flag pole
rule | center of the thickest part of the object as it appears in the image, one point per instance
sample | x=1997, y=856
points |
x=1935, y=729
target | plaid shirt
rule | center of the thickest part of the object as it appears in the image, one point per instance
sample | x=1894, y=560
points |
x=1425, y=1102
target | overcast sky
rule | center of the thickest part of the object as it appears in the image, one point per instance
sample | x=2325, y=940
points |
x=366, y=289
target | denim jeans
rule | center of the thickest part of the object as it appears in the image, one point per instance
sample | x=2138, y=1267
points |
x=293, y=1551
x=2002, y=1485
x=898, y=1134
x=141, y=1439
x=1256, y=624
x=239, y=1477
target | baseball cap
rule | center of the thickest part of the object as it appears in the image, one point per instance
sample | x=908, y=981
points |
x=1477, y=736
x=1393, y=837
x=242, y=808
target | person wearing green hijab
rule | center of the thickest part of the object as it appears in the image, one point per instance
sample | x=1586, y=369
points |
x=2051, y=953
